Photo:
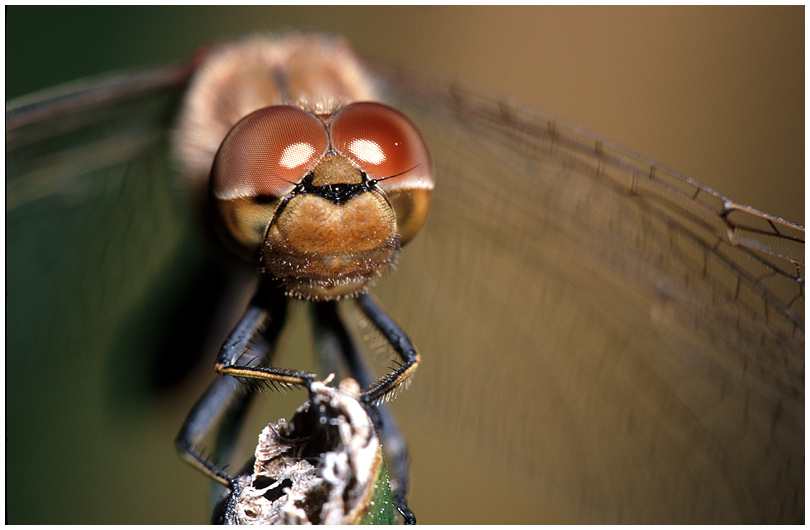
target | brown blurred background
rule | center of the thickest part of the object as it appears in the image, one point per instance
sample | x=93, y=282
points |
x=714, y=93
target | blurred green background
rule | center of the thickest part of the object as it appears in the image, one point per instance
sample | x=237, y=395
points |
x=716, y=94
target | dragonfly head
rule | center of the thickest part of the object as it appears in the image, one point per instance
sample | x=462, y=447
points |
x=324, y=201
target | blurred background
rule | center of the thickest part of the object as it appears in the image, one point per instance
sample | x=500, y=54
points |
x=716, y=94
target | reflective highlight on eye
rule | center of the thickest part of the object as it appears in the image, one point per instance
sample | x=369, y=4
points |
x=295, y=155
x=367, y=151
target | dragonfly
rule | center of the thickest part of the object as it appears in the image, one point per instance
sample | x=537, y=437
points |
x=603, y=340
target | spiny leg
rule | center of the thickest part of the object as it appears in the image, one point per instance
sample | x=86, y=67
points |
x=231, y=360
x=335, y=337
x=235, y=357
x=399, y=341
x=221, y=408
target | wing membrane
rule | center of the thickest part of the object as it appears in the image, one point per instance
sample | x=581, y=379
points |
x=625, y=342
x=95, y=231
x=56, y=136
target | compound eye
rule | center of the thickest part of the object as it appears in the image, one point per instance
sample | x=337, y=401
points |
x=267, y=153
x=384, y=144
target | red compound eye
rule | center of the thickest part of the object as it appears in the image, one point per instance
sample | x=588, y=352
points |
x=267, y=153
x=384, y=144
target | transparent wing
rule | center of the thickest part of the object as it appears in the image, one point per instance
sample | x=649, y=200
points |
x=603, y=340
x=96, y=244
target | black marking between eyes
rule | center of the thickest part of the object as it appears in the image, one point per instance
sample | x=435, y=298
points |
x=336, y=193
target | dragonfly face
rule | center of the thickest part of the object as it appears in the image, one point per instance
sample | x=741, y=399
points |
x=299, y=198
x=637, y=339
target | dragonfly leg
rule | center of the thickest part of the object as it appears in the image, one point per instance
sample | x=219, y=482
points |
x=221, y=408
x=399, y=341
x=223, y=403
x=335, y=336
x=237, y=357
